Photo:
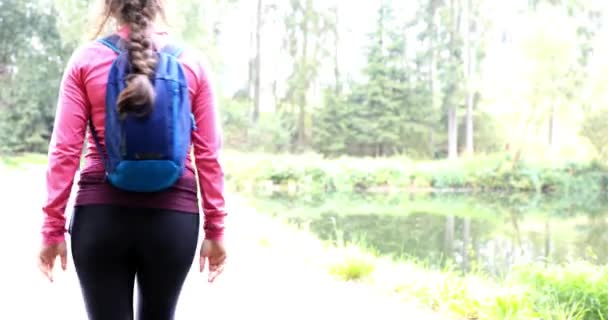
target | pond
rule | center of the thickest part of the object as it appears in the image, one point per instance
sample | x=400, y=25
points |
x=488, y=233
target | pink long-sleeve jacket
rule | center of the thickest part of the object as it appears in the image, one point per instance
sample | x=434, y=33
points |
x=82, y=96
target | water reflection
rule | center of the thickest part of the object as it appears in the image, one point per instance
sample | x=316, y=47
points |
x=489, y=232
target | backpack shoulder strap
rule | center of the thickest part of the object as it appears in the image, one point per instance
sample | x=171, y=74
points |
x=173, y=50
x=113, y=42
x=117, y=45
x=97, y=143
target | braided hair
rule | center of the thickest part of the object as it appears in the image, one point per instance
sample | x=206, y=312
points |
x=138, y=97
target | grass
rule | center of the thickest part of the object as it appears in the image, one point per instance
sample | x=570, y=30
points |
x=23, y=160
x=571, y=291
x=351, y=264
x=576, y=291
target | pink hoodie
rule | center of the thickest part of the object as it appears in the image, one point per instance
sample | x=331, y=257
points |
x=82, y=95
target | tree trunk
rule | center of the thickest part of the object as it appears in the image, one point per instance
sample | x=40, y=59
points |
x=338, y=85
x=451, y=105
x=469, y=75
x=432, y=68
x=304, y=64
x=452, y=132
x=301, y=123
x=251, y=65
x=275, y=96
x=257, y=64
x=432, y=150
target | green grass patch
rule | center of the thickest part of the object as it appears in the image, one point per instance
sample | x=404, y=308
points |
x=351, y=264
x=26, y=159
x=575, y=291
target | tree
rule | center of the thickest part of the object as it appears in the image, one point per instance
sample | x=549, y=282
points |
x=550, y=47
x=75, y=21
x=306, y=30
x=595, y=130
x=30, y=74
x=469, y=66
x=452, y=74
x=257, y=62
x=335, y=29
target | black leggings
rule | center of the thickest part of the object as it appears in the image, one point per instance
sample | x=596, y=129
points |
x=112, y=246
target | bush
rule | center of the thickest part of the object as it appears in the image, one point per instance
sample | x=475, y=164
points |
x=313, y=174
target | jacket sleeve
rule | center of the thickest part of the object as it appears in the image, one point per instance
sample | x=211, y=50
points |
x=65, y=149
x=207, y=142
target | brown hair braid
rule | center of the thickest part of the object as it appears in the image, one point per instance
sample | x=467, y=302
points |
x=138, y=96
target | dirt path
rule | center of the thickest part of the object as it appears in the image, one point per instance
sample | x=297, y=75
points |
x=278, y=280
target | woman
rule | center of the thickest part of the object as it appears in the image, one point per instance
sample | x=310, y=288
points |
x=119, y=237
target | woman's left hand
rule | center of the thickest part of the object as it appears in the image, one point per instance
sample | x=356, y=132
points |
x=48, y=255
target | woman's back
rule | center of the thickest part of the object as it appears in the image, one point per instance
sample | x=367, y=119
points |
x=82, y=98
x=90, y=67
x=119, y=237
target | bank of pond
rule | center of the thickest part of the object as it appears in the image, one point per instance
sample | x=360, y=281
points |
x=478, y=256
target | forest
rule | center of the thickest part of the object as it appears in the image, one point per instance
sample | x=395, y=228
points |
x=424, y=79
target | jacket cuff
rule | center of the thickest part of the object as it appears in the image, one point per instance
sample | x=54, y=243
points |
x=214, y=228
x=53, y=239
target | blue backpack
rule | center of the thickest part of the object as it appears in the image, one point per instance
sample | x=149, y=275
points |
x=147, y=154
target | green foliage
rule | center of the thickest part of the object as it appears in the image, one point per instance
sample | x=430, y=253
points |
x=267, y=135
x=580, y=288
x=29, y=91
x=595, y=130
x=387, y=114
x=488, y=136
x=352, y=264
x=330, y=135
x=74, y=19
x=312, y=174
x=395, y=103
x=306, y=30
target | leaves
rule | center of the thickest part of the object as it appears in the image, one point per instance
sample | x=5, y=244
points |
x=29, y=91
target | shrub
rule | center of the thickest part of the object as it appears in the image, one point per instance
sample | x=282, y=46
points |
x=313, y=174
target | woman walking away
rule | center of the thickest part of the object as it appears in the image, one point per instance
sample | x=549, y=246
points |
x=149, y=112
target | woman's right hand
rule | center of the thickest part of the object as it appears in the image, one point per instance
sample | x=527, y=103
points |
x=213, y=253
x=48, y=255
